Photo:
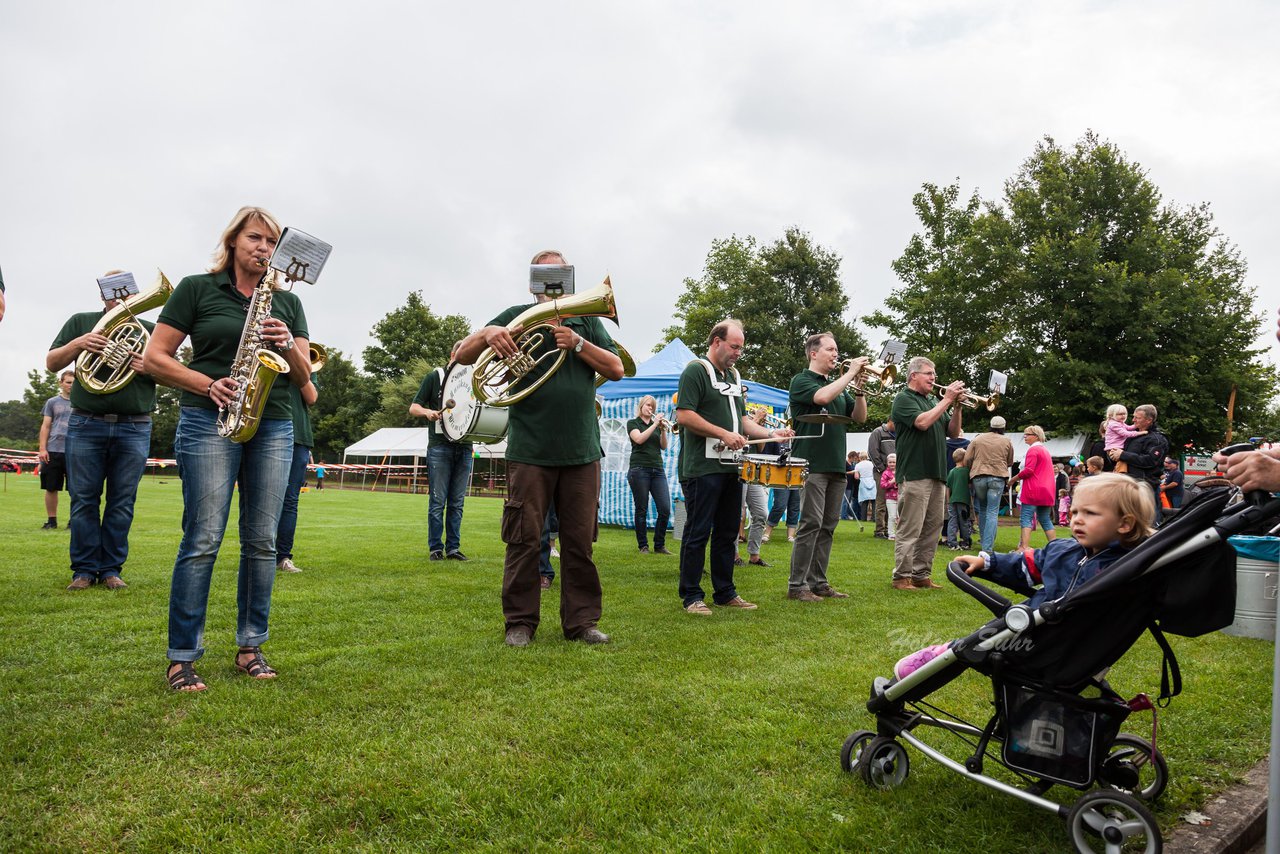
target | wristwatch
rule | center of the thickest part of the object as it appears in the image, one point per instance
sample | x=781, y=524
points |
x=287, y=346
x=577, y=348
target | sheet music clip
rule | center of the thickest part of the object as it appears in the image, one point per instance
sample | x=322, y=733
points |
x=117, y=286
x=300, y=256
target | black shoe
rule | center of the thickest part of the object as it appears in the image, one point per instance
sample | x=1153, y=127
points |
x=437, y=555
x=737, y=561
x=518, y=636
x=759, y=561
x=456, y=556
x=662, y=550
x=49, y=526
x=593, y=636
x=644, y=550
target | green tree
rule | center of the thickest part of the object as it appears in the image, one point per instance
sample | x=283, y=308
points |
x=411, y=332
x=395, y=397
x=782, y=293
x=1091, y=290
x=346, y=401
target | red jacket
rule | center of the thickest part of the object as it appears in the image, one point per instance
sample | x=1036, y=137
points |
x=1037, y=478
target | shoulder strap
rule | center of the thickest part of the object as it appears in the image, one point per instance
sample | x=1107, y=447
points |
x=737, y=378
x=1170, y=674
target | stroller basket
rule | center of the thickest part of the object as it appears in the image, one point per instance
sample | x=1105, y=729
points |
x=1058, y=736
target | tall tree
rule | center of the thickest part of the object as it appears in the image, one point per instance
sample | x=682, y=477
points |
x=1091, y=289
x=395, y=397
x=782, y=293
x=347, y=399
x=411, y=332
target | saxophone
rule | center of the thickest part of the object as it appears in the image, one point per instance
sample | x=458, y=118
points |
x=255, y=369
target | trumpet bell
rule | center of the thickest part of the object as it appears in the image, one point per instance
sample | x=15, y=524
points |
x=884, y=376
x=319, y=356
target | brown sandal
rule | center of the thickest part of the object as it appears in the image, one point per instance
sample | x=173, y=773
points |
x=256, y=667
x=184, y=680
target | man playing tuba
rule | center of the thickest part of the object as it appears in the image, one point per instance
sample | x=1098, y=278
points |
x=553, y=454
x=108, y=439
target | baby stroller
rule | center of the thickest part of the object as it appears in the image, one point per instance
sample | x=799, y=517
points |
x=1056, y=720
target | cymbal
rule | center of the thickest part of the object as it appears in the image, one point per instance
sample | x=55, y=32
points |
x=823, y=418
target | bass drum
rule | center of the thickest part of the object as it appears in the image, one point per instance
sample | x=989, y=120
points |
x=468, y=420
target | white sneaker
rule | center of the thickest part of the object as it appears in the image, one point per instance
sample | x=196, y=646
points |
x=286, y=565
x=555, y=553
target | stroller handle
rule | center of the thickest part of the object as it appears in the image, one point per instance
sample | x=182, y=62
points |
x=992, y=601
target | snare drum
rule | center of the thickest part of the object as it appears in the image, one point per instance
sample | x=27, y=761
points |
x=766, y=470
x=468, y=420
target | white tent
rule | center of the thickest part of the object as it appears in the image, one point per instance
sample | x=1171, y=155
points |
x=408, y=443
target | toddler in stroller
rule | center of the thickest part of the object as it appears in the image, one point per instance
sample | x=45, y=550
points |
x=1055, y=721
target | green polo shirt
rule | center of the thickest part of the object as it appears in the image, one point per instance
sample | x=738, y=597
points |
x=429, y=395
x=136, y=398
x=556, y=425
x=958, y=485
x=210, y=310
x=302, y=432
x=697, y=394
x=826, y=454
x=648, y=453
x=922, y=454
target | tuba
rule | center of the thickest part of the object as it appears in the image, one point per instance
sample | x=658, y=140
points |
x=503, y=381
x=254, y=369
x=111, y=370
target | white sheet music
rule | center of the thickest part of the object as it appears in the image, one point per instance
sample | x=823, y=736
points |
x=117, y=286
x=300, y=256
x=998, y=382
x=892, y=352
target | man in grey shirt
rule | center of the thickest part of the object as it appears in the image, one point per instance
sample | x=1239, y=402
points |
x=53, y=445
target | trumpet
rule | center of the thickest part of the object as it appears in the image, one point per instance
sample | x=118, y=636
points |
x=883, y=375
x=318, y=355
x=969, y=400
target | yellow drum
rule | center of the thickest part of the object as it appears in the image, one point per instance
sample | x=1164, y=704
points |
x=766, y=470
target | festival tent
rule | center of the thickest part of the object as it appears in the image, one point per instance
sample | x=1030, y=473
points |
x=659, y=376
x=391, y=443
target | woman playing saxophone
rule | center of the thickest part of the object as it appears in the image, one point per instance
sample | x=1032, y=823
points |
x=220, y=313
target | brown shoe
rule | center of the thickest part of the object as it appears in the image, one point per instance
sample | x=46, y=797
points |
x=903, y=584
x=113, y=582
x=80, y=582
x=803, y=595
x=926, y=584
x=828, y=592
x=545, y=582
x=518, y=636
x=739, y=602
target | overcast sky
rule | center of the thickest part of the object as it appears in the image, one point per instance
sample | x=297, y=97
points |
x=437, y=146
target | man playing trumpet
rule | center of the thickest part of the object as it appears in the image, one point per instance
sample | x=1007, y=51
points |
x=108, y=439
x=553, y=454
x=812, y=393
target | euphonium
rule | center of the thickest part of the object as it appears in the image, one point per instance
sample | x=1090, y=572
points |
x=503, y=381
x=255, y=369
x=126, y=338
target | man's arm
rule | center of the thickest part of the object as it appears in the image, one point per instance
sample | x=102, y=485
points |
x=44, y=438
x=926, y=419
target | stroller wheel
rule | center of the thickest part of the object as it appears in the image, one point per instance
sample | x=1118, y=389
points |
x=852, y=749
x=1113, y=822
x=1134, y=768
x=883, y=763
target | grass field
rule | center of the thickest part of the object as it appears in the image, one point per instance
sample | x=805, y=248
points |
x=401, y=721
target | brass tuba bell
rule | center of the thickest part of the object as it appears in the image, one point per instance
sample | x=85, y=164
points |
x=503, y=381
x=111, y=370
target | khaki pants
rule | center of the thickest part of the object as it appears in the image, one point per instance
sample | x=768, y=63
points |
x=819, y=515
x=922, y=511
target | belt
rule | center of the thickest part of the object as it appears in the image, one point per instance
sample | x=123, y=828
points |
x=112, y=418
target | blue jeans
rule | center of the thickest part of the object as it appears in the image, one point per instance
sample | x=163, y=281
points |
x=958, y=529
x=785, y=501
x=645, y=482
x=550, y=528
x=1037, y=511
x=289, y=515
x=714, y=503
x=210, y=466
x=987, y=491
x=849, y=510
x=100, y=453
x=449, y=470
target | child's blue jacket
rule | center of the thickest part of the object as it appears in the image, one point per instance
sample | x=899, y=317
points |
x=1061, y=566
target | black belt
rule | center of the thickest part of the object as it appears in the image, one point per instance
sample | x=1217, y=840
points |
x=112, y=418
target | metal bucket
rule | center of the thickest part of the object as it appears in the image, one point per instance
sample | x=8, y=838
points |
x=1256, y=581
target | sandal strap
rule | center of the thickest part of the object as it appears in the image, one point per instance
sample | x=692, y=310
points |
x=184, y=677
x=256, y=666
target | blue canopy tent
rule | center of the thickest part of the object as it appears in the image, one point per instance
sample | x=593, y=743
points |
x=660, y=377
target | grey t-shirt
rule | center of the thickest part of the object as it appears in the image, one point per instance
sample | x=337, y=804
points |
x=59, y=409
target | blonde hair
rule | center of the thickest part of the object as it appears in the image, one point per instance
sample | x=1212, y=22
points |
x=1116, y=409
x=1037, y=429
x=1130, y=498
x=223, y=254
x=957, y=454
x=648, y=398
x=537, y=258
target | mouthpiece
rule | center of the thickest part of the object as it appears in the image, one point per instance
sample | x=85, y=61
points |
x=261, y=262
